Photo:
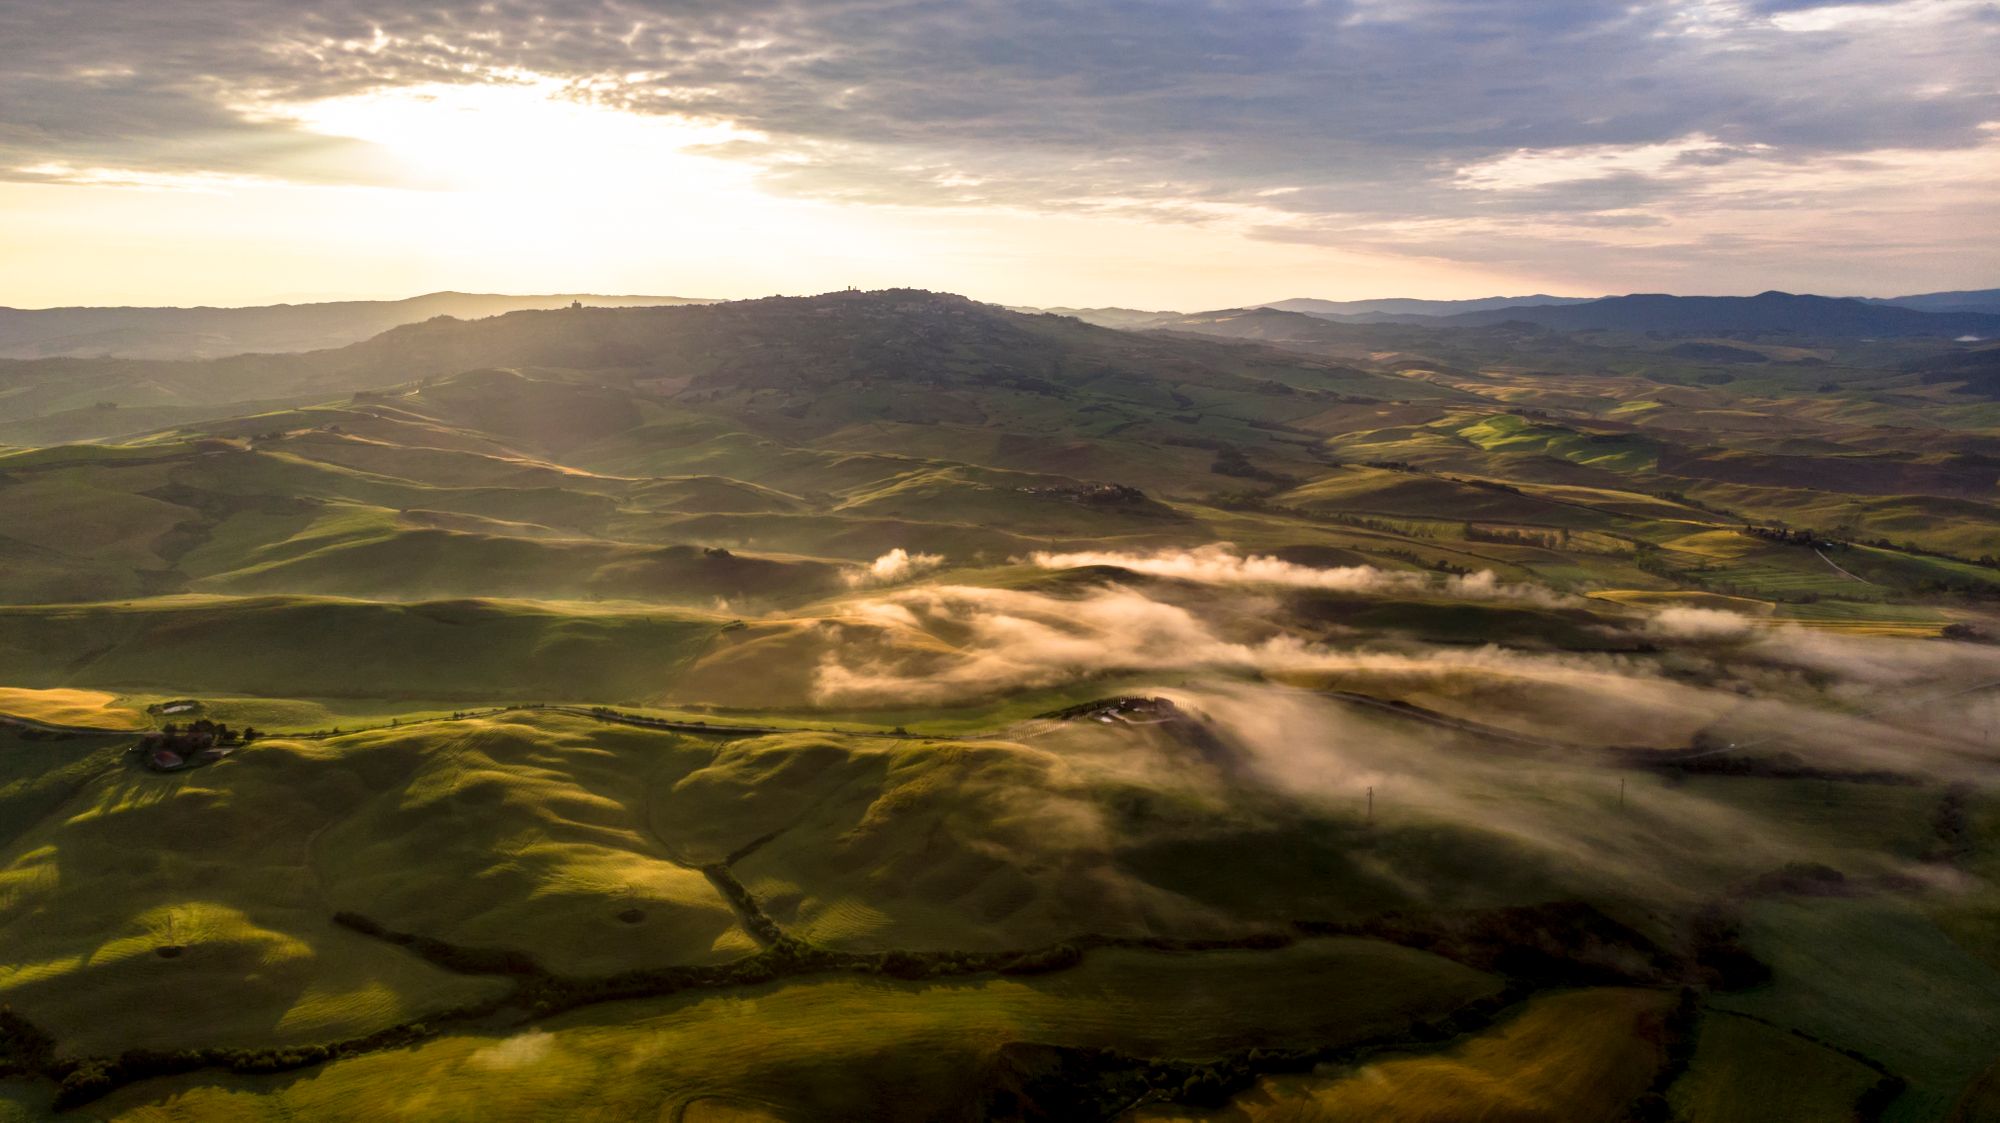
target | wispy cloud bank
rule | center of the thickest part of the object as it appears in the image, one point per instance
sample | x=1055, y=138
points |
x=1219, y=564
x=896, y=565
x=978, y=641
x=1842, y=701
x=1700, y=623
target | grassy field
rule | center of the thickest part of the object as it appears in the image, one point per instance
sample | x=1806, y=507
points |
x=529, y=835
x=100, y=875
x=1880, y=978
x=1745, y=1071
x=549, y=822
x=844, y=1048
x=1009, y=858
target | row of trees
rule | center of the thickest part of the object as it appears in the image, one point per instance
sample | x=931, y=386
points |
x=1557, y=539
x=1797, y=536
x=218, y=732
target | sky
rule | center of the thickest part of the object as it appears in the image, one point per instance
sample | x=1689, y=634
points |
x=1144, y=153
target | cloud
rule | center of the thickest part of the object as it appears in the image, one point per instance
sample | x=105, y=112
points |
x=1566, y=823
x=1836, y=701
x=1879, y=663
x=980, y=641
x=1556, y=813
x=1216, y=564
x=1700, y=624
x=896, y=565
x=1183, y=109
x=1530, y=168
x=961, y=642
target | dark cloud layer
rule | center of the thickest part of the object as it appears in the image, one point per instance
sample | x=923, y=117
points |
x=1321, y=118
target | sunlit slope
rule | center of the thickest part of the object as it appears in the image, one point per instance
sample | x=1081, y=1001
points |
x=493, y=832
x=577, y=842
x=102, y=873
x=1012, y=853
x=594, y=845
x=86, y=709
x=566, y=856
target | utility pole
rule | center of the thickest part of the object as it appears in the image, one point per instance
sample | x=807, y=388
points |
x=1371, y=805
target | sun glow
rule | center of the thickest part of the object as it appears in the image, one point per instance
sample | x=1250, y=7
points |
x=559, y=179
x=528, y=136
x=523, y=183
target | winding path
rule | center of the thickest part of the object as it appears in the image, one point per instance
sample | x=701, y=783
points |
x=1829, y=561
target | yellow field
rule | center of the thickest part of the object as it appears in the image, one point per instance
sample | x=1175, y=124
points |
x=92, y=709
x=1715, y=544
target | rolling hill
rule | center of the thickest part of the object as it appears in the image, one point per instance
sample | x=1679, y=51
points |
x=886, y=704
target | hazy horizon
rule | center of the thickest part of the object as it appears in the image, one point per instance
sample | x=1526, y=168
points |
x=282, y=299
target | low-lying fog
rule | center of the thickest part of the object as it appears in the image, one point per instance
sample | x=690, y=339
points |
x=1850, y=700
x=1527, y=743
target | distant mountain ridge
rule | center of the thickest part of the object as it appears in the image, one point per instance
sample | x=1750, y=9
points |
x=1771, y=313
x=1405, y=306
x=210, y=333
x=205, y=333
x=1766, y=313
x=1973, y=300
